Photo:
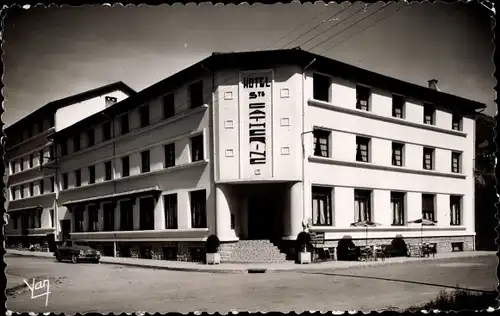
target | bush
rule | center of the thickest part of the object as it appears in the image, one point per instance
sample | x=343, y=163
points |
x=212, y=244
x=346, y=249
x=303, y=240
x=460, y=300
x=398, y=247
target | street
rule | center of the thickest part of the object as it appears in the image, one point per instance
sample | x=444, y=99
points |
x=108, y=288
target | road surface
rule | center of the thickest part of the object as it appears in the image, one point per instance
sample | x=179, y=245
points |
x=108, y=288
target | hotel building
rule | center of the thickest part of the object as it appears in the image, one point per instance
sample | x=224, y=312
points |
x=250, y=146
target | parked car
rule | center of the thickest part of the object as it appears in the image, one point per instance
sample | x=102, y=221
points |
x=77, y=251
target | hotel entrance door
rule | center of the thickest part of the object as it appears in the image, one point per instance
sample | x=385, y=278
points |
x=260, y=217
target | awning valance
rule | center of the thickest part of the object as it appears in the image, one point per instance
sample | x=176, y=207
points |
x=114, y=196
x=28, y=208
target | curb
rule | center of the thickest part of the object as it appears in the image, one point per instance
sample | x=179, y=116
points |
x=253, y=270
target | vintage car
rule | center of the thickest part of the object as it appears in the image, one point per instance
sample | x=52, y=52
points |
x=77, y=251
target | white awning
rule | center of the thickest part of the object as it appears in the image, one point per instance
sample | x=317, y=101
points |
x=113, y=196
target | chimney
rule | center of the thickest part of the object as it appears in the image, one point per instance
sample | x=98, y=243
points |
x=110, y=101
x=433, y=84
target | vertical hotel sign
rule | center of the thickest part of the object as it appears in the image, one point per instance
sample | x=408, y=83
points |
x=255, y=109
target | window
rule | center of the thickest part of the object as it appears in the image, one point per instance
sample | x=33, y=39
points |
x=30, y=133
x=78, y=216
x=90, y=138
x=107, y=171
x=93, y=218
x=76, y=143
x=126, y=215
x=78, y=178
x=198, y=209
x=13, y=193
x=429, y=112
x=31, y=161
x=362, y=205
x=125, y=166
x=321, y=206
x=398, y=208
x=21, y=164
x=398, y=104
x=428, y=206
x=38, y=219
x=124, y=124
x=196, y=94
x=65, y=181
x=147, y=213
x=197, y=148
x=91, y=174
x=456, y=122
x=52, y=184
x=321, y=143
x=31, y=189
x=455, y=162
x=169, y=155
x=168, y=105
x=106, y=131
x=170, y=208
x=42, y=186
x=428, y=158
x=455, y=203
x=51, y=152
x=397, y=154
x=40, y=157
x=362, y=150
x=14, y=221
x=51, y=213
x=321, y=87
x=13, y=167
x=21, y=191
x=51, y=121
x=363, y=98
x=64, y=147
x=109, y=217
x=144, y=115
x=145, y=161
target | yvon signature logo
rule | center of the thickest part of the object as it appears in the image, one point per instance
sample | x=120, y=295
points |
x=39, y=289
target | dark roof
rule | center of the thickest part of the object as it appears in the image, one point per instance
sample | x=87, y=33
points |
x=268, y=59
x=53, y=106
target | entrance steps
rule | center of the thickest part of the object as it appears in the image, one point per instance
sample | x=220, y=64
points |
x=251, y=251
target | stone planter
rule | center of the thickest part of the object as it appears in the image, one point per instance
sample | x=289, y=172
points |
x=304, y=257
x=213, y=258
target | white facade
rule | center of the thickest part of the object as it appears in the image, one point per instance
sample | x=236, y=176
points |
x=32, y=177
x=247, y=151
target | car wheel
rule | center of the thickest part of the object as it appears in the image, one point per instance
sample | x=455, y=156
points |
x=95, y=261
x=74, y=258
x=58, y=258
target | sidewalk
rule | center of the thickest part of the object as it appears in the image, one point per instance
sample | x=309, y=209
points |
x=257, y=267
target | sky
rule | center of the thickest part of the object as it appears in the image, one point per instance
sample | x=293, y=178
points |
x=51, y=53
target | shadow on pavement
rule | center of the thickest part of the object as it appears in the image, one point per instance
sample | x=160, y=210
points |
x=400, y=281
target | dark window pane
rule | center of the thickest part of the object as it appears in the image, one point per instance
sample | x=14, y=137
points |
x=168, y=105
x=145, y=161
x=170, y=155
x=321, y=87
x=198, y=209
x=197, y=148
x=322, y=206
x=196, y=94
x=170, y=207
x=144, y=115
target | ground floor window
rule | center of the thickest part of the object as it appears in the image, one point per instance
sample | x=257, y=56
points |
x=428, y=206
x=198, y=209
x=93, y=217
x=51, y=212
x=455, y=202
x=78, y=218
x=322, y=206
x=362, y=205
x=170, y=207
x=109, y=217
x=147, y=213
x=397, y=206
x=126, y=215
